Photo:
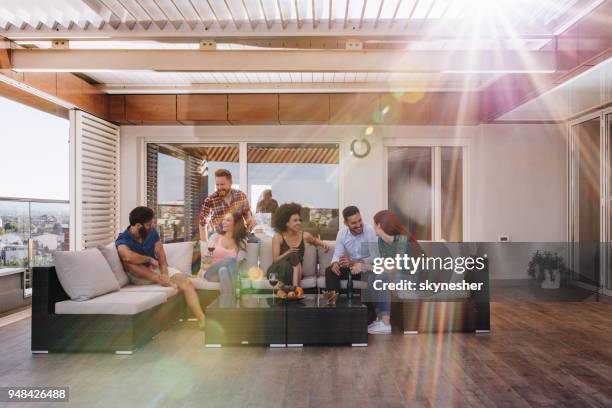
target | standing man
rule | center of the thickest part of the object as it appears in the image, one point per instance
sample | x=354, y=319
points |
x=144, y=259
x=224, y=201
x=356, y=248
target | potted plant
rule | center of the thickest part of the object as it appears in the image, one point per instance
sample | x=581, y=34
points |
x=548, y=269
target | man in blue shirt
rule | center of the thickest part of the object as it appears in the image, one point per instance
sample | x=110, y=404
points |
x=144, y=259
x=356, y=248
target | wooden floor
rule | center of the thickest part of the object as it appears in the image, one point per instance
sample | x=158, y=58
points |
x=551, y=354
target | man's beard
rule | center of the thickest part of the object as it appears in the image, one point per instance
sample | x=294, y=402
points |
x=143, y=232
x=357, y=231
x=223, y=192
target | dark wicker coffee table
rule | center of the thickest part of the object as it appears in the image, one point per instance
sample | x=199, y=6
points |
x=312, y=322
x=253, y=320
x=265, y=321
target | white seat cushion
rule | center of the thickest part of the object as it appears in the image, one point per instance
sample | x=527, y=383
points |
x=203, y=284
x=306, y=283
x=84, y=274
x=261, y=284
x=167, y=290
x=116, y=303
x=180, y=255
x=309, y=282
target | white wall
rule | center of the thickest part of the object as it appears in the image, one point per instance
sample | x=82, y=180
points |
x=519, y=183
x=516, y=184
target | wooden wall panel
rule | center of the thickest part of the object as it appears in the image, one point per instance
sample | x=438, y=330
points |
x=116, y=108
x=154, y=109
x=70, y=88
x=253, y=108
x=407, y=109
x=303, y=108
x=454, y=108
x=354, y=108
x=201, y=109
x=64, y=86
x=43, y=81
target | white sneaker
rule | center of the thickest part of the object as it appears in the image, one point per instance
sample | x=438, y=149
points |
x=378, y=327
x=373, y=324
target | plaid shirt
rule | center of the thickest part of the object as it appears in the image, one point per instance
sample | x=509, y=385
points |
x=214, y=207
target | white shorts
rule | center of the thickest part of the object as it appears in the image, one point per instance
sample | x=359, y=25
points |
x=139, y=281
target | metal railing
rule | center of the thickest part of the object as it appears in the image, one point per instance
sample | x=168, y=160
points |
x=30, y=230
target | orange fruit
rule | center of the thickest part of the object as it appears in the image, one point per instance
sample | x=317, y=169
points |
x=299, y=292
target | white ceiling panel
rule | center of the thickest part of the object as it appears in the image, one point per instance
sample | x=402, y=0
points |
x=199, y=18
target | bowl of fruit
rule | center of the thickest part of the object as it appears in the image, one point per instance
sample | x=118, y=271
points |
x=290, y=293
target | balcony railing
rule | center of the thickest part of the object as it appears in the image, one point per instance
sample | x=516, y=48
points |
x=30, y=231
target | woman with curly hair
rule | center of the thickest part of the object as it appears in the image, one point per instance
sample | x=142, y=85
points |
x=288, y=244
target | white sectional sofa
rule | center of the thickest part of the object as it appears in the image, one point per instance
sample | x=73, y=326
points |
x=86, y=302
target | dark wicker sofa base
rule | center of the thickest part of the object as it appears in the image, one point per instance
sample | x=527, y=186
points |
x=96, y=333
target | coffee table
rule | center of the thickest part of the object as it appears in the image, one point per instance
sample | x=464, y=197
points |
x=252, y=320
x=312, y=322
x=258, y=319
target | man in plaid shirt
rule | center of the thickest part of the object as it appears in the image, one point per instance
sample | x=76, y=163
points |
x=224, y=201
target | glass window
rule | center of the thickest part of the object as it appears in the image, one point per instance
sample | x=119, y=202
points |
x=307, y=174
x=170, y=196
x=179, y=177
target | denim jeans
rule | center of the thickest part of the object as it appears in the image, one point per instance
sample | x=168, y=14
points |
x=225, y=272
x=383, y=297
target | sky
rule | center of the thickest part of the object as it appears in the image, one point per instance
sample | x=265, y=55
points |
x=34, y=153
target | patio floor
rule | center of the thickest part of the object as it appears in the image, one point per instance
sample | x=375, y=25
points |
x=539, y=354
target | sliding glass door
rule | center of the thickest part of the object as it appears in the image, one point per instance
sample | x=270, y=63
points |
x=586, y=192
x=179, y=177
x=608, y=195
x=425, y=188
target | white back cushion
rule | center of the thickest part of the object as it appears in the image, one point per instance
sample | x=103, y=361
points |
x=265, y=253
x=309, y=266
x=252, y=249
x=180, y=255
x=84, y=274
x=325, y=257
x=112, y=257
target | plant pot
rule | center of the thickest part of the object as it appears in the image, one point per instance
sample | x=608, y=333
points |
x=554, y=282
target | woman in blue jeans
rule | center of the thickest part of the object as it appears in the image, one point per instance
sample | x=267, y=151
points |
x=228, y=252
x=393, y=239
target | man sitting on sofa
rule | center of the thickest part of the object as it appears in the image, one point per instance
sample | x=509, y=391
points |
x=144, y=259
x=355, y=250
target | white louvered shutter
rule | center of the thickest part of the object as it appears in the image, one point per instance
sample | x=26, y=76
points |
x=94, y=181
